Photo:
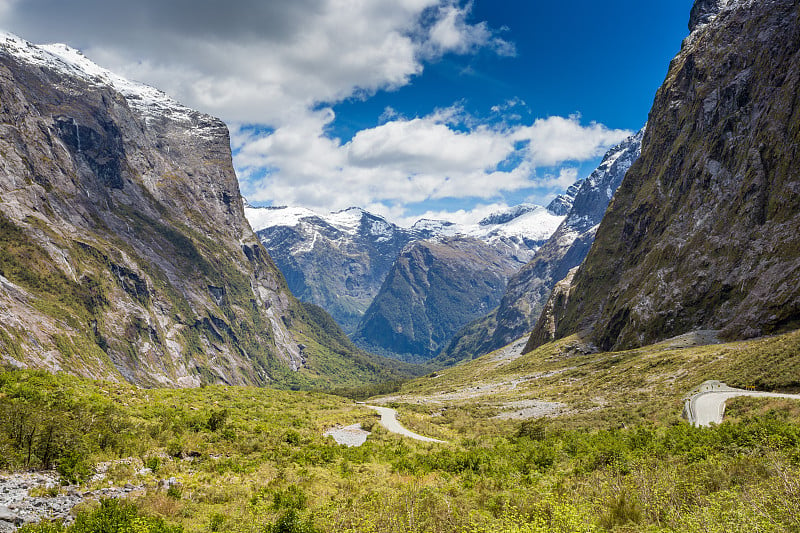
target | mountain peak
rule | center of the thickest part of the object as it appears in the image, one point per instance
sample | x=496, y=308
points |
x=561, y=204
x=73, y=63
x=508, y=214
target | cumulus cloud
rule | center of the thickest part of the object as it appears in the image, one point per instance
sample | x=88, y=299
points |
x=447, y=154
x=280, y=65
x=255, y=61
x=450, y=32
x=557, y=139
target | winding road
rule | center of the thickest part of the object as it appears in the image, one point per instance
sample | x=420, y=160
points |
x=707, y=405
x=389, y=421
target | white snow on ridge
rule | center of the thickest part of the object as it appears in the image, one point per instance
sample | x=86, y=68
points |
x=348, y=220
x=72, y=62
x=535, y=223
x=268, y=217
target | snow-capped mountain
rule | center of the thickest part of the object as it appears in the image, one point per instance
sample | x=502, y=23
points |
x=335, y=260
x=517, y=231
x=339, y=260
x=146, y=100
x=528, y=289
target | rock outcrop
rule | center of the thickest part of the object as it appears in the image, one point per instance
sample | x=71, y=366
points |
x=702, y=233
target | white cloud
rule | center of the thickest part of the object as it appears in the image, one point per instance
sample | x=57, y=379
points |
x=556, y=139
x=459, y=216
x=254, y=61
x=412, y=160
x=281, y=64
x=451, y=33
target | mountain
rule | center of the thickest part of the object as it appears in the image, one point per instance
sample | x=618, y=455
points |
x=529, y=288
x=434, y=288
x=340, y=260
x=702, y=232
x=337, y=261
x=124, y=249
x=439, y=284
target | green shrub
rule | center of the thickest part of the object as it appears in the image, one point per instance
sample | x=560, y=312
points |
x=292, y=498
x=113, y=516
x=215, y=522
x=534, y=429
x=291, y=523
x=174, y=491
x=217, y=419
x=153, y=463
x=73, y=468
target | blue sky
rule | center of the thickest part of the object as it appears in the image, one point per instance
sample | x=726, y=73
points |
x=409, y=108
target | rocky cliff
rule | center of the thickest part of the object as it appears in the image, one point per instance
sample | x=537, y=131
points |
x=124, y=249
x=529, y=288
x=702, y=233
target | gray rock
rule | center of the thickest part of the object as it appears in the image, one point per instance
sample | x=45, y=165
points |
x=7, y=515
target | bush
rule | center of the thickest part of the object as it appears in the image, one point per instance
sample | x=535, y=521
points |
x=174, y=491
x=292, y=498
x=73, y=468
x=291, y=523
x=217, y=419
x=534, y=429
x=153, y=463
x=215, y=522
x=113, y=516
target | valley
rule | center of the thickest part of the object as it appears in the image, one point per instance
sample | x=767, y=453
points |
x=246, y=459
x=175, y=359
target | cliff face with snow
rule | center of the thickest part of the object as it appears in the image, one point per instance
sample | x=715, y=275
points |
x=124, y=250
x=702, y=233
x=529, y=288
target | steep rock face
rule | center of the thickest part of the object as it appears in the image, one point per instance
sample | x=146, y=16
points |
x=562, y=203
x=337, y=261
x=702, y=233
x=124, y=249
x=528, y=289
x=547, y=323
x=434, y=288
x=340, y=260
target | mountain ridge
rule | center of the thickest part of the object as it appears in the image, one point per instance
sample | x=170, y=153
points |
x=340, y=260
x=528, y=289
x=702, y=232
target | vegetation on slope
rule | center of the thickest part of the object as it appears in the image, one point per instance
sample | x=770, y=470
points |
x=249, y=459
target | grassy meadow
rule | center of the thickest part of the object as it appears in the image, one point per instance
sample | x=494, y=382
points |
x=613, y=453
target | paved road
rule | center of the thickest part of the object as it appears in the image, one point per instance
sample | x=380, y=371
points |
x=389, y=421
x=707, y=405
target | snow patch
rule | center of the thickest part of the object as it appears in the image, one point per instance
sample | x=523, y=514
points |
x=148, y=100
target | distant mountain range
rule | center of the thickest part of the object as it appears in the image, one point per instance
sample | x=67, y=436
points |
x=341, y=260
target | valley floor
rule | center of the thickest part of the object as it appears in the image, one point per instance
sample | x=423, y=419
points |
x=555, y=440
